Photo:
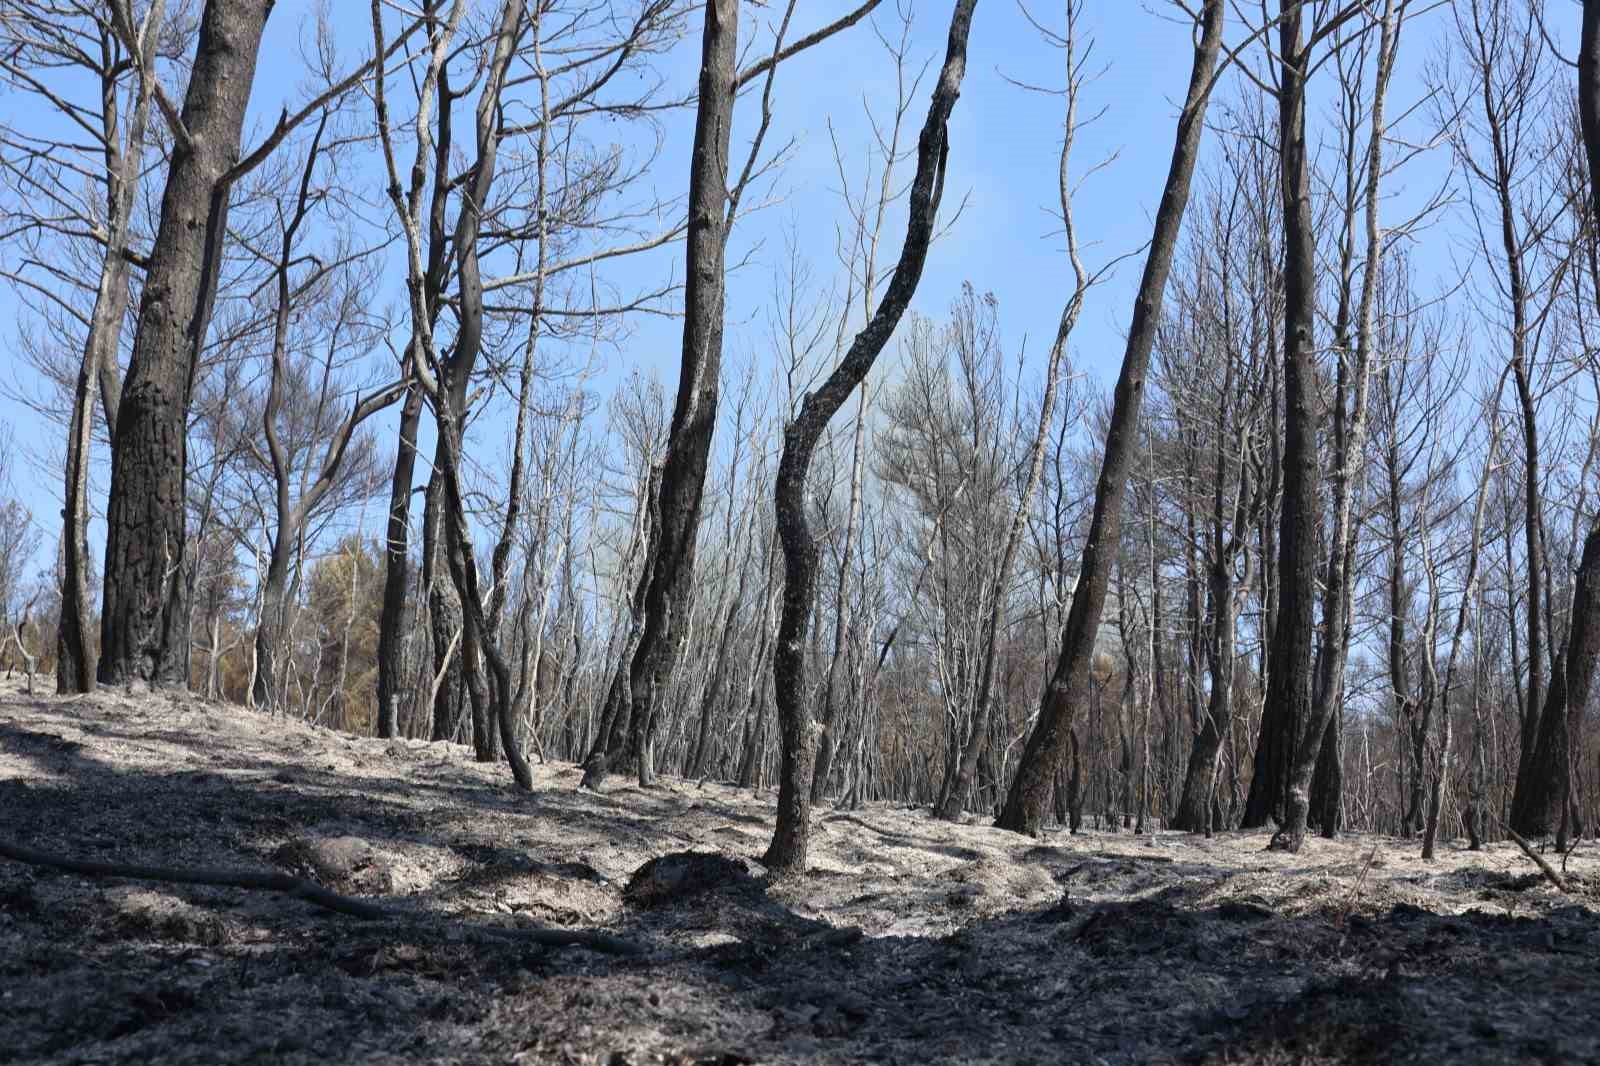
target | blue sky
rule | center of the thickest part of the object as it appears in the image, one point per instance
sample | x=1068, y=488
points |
x=1004, y=143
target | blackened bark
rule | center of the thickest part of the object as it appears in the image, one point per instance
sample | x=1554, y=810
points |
x=1589, y=97
x=1545, y=794
x=611, y=738
x=694, y=415
x=797, y=729
x=142, y=624
x=1327, y=781
x=1289, y=665
x=444, y=618
x=397, y=566
x=1069, y=685
x=1568, y=696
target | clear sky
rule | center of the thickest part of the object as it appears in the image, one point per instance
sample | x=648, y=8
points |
x=1004, y=143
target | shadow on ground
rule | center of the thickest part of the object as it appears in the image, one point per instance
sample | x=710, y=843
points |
x=1172, y=969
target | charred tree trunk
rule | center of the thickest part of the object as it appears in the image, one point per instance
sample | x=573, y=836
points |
x=397, y=566
x=142, y=626
x=1069, y=685
x=1544, y=780
x=694, y=415
x=1568, y=696
x=1289, y=672
x=787, y=852
x=445, y=622
x=1288, y=706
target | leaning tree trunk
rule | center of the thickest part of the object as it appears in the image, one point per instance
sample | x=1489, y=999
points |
x=797, y=729
x=1069, y=685
x=142, y=623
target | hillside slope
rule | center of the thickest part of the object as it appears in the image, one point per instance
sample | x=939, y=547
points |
x=910, y=941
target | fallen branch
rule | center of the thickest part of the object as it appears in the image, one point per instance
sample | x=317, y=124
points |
x=1355, y=890
x=1538, y=860
x=16, y=635
x=262, y=880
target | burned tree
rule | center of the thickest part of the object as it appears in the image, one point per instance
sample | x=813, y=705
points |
x=1069, y=684
x=787, y=852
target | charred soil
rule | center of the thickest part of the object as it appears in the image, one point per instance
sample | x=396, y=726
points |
x=908, y=941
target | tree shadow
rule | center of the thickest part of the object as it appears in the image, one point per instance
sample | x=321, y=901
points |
x=124, y=972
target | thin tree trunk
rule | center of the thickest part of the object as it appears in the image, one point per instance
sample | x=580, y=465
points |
x=75, y=666
x=953, y=794
x=1029, y=797
x=787, y=852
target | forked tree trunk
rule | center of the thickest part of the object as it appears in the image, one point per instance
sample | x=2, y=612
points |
x=142, y=627
x=1289, y=687
x=75, y=665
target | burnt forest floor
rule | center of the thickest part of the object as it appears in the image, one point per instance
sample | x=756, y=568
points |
x=909, y=941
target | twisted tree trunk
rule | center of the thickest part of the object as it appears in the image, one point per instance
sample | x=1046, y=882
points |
x=787, y=852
